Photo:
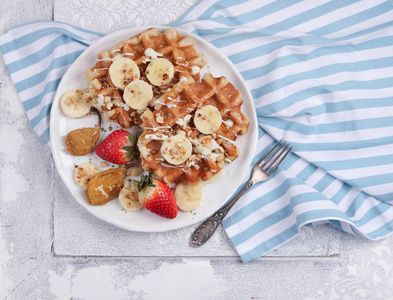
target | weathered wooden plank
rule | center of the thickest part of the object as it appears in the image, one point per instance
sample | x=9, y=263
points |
x=362, y=272
x=18, y=12
x=29, y=271
x=106, y=18
x=77, y=233
x=25, y=198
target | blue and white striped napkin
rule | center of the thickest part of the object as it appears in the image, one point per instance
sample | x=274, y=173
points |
x=321, y=75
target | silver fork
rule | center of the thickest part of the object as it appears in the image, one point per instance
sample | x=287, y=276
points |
x=260, y=172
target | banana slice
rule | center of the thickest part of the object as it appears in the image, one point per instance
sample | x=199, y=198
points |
x=176, y=149
x=189, y=196
x=72, y=104
x=207, y=119
x=84, y=173
x=138, y=94
x=160, y=71
x=122, y=71
x=129, y=196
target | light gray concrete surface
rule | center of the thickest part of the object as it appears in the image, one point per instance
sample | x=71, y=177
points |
x=51, y=248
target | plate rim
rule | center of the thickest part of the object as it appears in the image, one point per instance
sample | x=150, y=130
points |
x=252, y=118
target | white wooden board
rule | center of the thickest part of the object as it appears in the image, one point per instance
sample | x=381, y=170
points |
x=77, y=233
x=37, y=215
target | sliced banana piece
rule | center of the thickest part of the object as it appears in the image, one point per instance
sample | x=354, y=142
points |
x=138, y=94
x=84, y=173
x=207, y=119
x=189, y=196
x=72, y=104
x=122, y=71
x=129, y=196
x=176, y=149
x=160, y=71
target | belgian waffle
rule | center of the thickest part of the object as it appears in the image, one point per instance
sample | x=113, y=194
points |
x=179, y=50
x=170, y=118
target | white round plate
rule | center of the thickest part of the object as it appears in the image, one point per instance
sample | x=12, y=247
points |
x=216, y=194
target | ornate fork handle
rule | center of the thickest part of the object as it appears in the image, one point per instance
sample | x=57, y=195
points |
x=259, y=173
x=204, y=231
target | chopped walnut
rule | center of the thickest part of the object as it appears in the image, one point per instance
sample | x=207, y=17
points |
x=108, y=102
x=136, y=171
x=159, y=118
x=96, y=84
x=127, y=184
x=227, y=160
x=220, y=158
x=103, y=164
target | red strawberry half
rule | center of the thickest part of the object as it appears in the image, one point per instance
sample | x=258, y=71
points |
x=118, y=147
x=157, y=197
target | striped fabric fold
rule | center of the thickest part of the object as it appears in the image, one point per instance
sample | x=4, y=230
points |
x=321, y=76
x=37, y=55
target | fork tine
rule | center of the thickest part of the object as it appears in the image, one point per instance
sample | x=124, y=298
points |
x=273, y=158
x=279, y=162
x=270, y=151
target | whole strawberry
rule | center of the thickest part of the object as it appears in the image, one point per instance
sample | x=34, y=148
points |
x=118, y=148
x=157, y=197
